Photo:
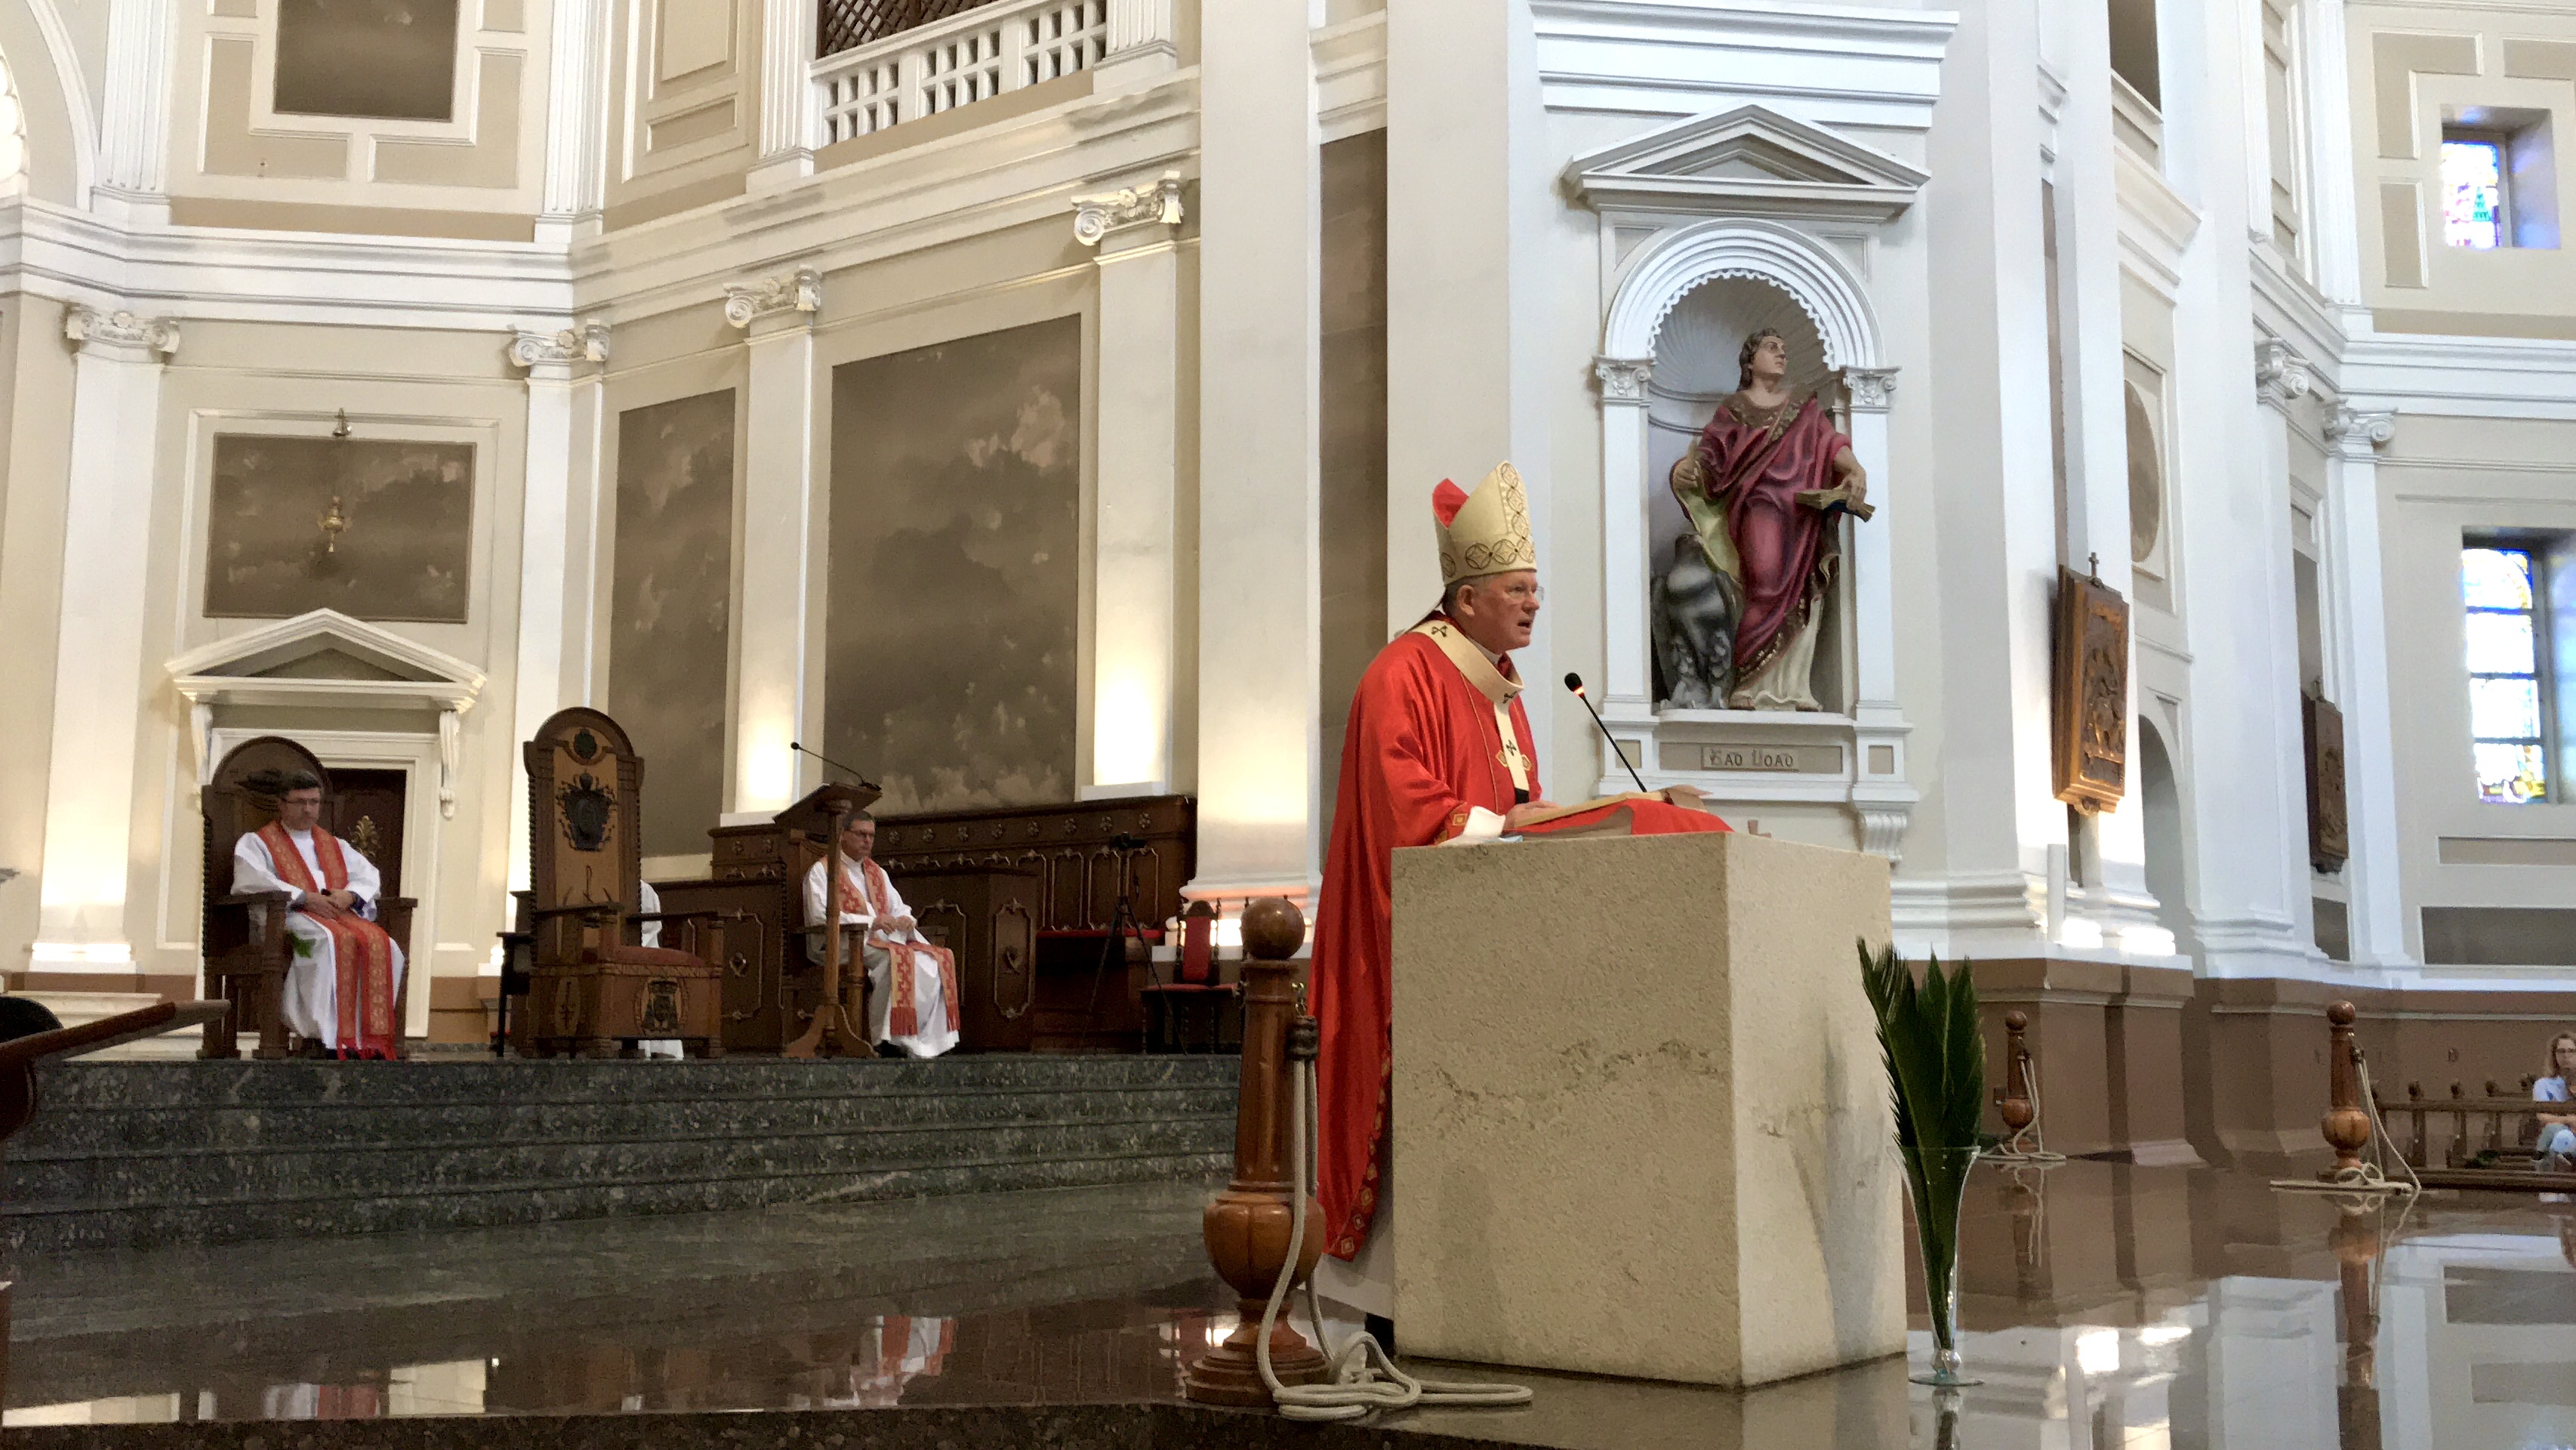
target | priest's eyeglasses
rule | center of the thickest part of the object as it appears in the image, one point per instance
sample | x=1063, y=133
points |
x=1525, y=593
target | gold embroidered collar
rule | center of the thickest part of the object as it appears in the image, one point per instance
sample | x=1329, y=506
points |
x=1470, y=660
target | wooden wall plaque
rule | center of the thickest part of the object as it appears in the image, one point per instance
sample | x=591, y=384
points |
x=2329, y=827
x=2090, y=698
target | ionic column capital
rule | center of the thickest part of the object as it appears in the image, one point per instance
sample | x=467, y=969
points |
x=2354, y=433
x=557, y=354
x=790, y=297
x=1106, y=214
x=120, y=332
x=2281, y=375
x=1873, y=390
x=1623, y=380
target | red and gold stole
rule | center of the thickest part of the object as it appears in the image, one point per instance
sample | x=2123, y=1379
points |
x=362, y=954
x=903, y=1017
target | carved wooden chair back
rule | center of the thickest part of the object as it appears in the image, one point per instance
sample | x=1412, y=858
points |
x=584, y=827
x=233, y=809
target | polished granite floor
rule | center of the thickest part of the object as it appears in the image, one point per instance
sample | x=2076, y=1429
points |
x=2110, y=1308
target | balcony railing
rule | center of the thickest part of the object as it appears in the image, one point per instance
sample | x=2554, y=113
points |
x=970, y=55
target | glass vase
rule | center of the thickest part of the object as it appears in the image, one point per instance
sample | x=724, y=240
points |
x=1937, y=1179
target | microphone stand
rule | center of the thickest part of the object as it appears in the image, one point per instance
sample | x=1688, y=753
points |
x=1574, y=682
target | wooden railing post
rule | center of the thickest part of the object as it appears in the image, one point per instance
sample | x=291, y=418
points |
x=2347, y=1121
x=1247, y=1226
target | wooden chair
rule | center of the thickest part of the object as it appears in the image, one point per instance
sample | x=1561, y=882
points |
x=589, y=990
x=246, y=951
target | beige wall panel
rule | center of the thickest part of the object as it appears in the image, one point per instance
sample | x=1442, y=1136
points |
x=493, y=158
x=688, y=127
x=393, y=384
x=2401, y=229
x=2444, y=476
x=37, y=462
x=2553, y=60
x=689, y=36
x=508, y=15
x=2395, y=61
x=233, y=148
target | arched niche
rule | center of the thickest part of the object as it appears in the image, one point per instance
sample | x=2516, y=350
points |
x=48, y=105
x=1681, y=303
x=1697, y=362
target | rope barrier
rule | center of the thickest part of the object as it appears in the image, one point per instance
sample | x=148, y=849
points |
x=2366, y=1180
x=1363, y=1378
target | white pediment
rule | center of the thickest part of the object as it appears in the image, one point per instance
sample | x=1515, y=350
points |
x=326, y=659
x=1751, y=160
x=325, y=652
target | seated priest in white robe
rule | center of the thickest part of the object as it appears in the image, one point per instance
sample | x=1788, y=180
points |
x=913, y=984
x=344, y=987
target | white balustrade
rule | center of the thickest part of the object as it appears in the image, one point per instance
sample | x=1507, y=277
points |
x=956, y=62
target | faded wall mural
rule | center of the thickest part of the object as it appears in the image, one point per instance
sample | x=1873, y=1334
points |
x=670, y=610
x=376, y=529
x=955, y=577
x=388, y=58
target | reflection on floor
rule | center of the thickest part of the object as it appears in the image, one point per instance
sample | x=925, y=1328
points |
x=2109, y=1307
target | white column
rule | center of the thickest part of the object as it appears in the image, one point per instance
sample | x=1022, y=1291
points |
x=1138, y=467
x=2357, y=658
x=1979, y=858
x=82, y=922
x=134, y=125
x=1141, y=45
x=787, y=38
x=1260, y=485
x=774, y=621
x=2112, y=845
x=548, y=550
x=1883, y=798
x=1470, y=202
x=1627, y=685
x=576, y=123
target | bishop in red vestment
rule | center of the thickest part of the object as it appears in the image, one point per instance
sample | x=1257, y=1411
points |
x=1437, y=750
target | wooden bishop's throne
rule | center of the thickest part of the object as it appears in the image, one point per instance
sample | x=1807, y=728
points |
x=247, y=953
x=591, y=991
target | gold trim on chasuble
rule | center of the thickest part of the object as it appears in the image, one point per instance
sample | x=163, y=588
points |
x=1494, y=685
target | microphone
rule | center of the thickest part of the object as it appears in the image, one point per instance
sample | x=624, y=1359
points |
x=1574, y=682
x=799, y=748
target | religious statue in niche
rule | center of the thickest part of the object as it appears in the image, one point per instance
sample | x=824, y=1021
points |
x=1762, y=487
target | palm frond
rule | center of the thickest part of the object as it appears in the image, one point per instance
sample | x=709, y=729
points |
x=1936, y=1057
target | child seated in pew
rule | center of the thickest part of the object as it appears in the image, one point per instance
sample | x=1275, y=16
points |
x=2557, y=1145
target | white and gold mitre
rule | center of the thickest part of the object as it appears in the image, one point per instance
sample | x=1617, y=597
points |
x=1485, y=532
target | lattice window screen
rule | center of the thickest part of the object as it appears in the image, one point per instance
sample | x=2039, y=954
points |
x=843, y=24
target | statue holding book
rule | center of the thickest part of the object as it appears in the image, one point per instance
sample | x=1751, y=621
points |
x=1762, y=487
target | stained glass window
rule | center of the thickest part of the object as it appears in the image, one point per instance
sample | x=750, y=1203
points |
x=2473, y=193
x=2499, y=587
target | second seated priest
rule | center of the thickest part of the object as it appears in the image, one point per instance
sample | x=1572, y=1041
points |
x=913, y=984
x=1438, y=748
x=345, y=987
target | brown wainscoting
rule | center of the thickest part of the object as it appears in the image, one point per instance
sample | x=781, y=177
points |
x=460, y=1008
x=168, y=986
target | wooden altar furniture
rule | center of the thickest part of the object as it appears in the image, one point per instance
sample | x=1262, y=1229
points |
x=589, y=990
x=1069, y=860
x=246, y=949
x=1175, y=1009
x=986, y=916
x=838, y=1026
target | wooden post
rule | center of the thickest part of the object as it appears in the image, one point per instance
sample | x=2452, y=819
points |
x=2459, y=1155
x=2415, y=1106
x=2015, y=1102
x=2356, y=1246
x=832, y=1033
x=1247, y=1226
x=2347, y=1121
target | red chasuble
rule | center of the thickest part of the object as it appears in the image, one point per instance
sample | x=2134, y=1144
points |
x=362, y=954
x=1424, y=746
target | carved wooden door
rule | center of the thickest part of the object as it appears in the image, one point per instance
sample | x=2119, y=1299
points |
x=366, y=810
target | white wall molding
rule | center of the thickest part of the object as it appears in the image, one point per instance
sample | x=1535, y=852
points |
x=134, y=138
x=2467, y=377
x=1350, y=76
x=1826, y=65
